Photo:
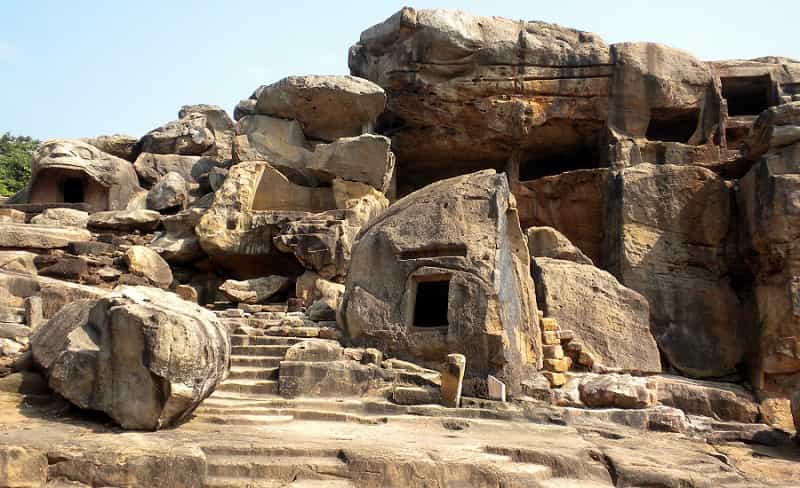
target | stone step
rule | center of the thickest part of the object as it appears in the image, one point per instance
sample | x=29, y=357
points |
x=572, y=483
x=232, y=414
x=256, y=361
x=270, y=350
x=262, y=340
x=238, y=482
x=12, y=315
x=253, y=373
x=243, y=419
x=259, y=387
x=290, y=331
x=278, y=468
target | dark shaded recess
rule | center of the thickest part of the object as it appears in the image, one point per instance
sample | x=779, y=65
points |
x=747, y=95
x=434, y=251
x=430, y=308
x=551, y=161
x=672, y=125
x=72, y=190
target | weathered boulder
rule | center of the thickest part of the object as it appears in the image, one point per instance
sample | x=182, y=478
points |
x=670, y=244
x=315, y=350
x=143, y=356
x=21, y=467
x=776, y=127
x=152, y=167
x=454, y=277
x=327, y=107
x=125, y=220
x=611, y=321
x=236, y=232
x=178, y=242
x=546, y=242
x=145, y=262
x=67, y=171
x=724, y=401
x=322, y=241
x=190, y=135
x=11, y=216
x=58, y=217
x=18, y=261
x=256, y=290
x=120, y=145
x=29, y=236
x=168, y=194
x=616, y=391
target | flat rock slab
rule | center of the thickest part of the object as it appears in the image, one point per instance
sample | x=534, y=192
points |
x=21, y=236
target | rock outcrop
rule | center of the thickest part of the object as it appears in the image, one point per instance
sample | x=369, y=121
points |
x=454, y=278
x=74, y=172
x=610, y=321
x=144, y=357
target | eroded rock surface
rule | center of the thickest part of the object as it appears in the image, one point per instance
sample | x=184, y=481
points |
x=145, y=357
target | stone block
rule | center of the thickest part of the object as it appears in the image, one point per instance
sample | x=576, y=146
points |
x=453, y=379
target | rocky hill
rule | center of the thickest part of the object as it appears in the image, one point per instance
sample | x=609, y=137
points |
x=500, y=253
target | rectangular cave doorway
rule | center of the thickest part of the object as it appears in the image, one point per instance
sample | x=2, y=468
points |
x=748, y=95
x=554, y=160
x=73, y=190
x=431, y=302
x=671, y=125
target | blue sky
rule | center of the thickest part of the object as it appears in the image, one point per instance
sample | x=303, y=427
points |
x=81, y=68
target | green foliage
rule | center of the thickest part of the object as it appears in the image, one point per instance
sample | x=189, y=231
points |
x=16, y=153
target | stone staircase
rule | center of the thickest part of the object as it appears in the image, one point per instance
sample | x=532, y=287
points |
x=561, y=352
x=268, y=467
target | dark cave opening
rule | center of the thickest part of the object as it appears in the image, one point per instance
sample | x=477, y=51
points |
x=72, y=190
x=431, y=303
x=672, y=125
x=747, y=95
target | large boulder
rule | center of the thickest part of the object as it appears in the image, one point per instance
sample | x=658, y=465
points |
x=446, y=270
x=145, y=357
x=120, y=145
x=724, y=401
x=612, y=322
x=62, y=217
x=546, y=242
x=30, y=236
x=170, y=193
x=256, y=290
x=152, y=167
x=327, y=107
x=125, y=220
x=68, y=171
x=145, y=262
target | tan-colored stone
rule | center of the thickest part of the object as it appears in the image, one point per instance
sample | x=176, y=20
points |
x=145, y=262
x=452, y=380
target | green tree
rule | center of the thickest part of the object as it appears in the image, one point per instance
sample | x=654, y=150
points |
x=16, y=153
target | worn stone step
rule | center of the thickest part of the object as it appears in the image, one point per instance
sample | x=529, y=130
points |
x=291, y=331
x=277, y=468
x=242, y=419
x=572, y=483
x=262, y=340
x=270, y=350
x=260, y=387
x=253, y=373
x=240, y=482
x=12, y=315
x=256, y=361
x=233, y=413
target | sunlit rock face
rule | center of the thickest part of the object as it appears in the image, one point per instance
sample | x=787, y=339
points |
x=454, y=277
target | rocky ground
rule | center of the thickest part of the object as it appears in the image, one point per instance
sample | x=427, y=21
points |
x=68, y=448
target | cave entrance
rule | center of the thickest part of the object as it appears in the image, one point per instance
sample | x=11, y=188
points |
x=72, y=190
x=747, y=95
x=431, y=302
x=672, y=125
x=549, y=161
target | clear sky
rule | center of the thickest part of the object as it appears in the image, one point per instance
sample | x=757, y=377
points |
x=79, y=68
